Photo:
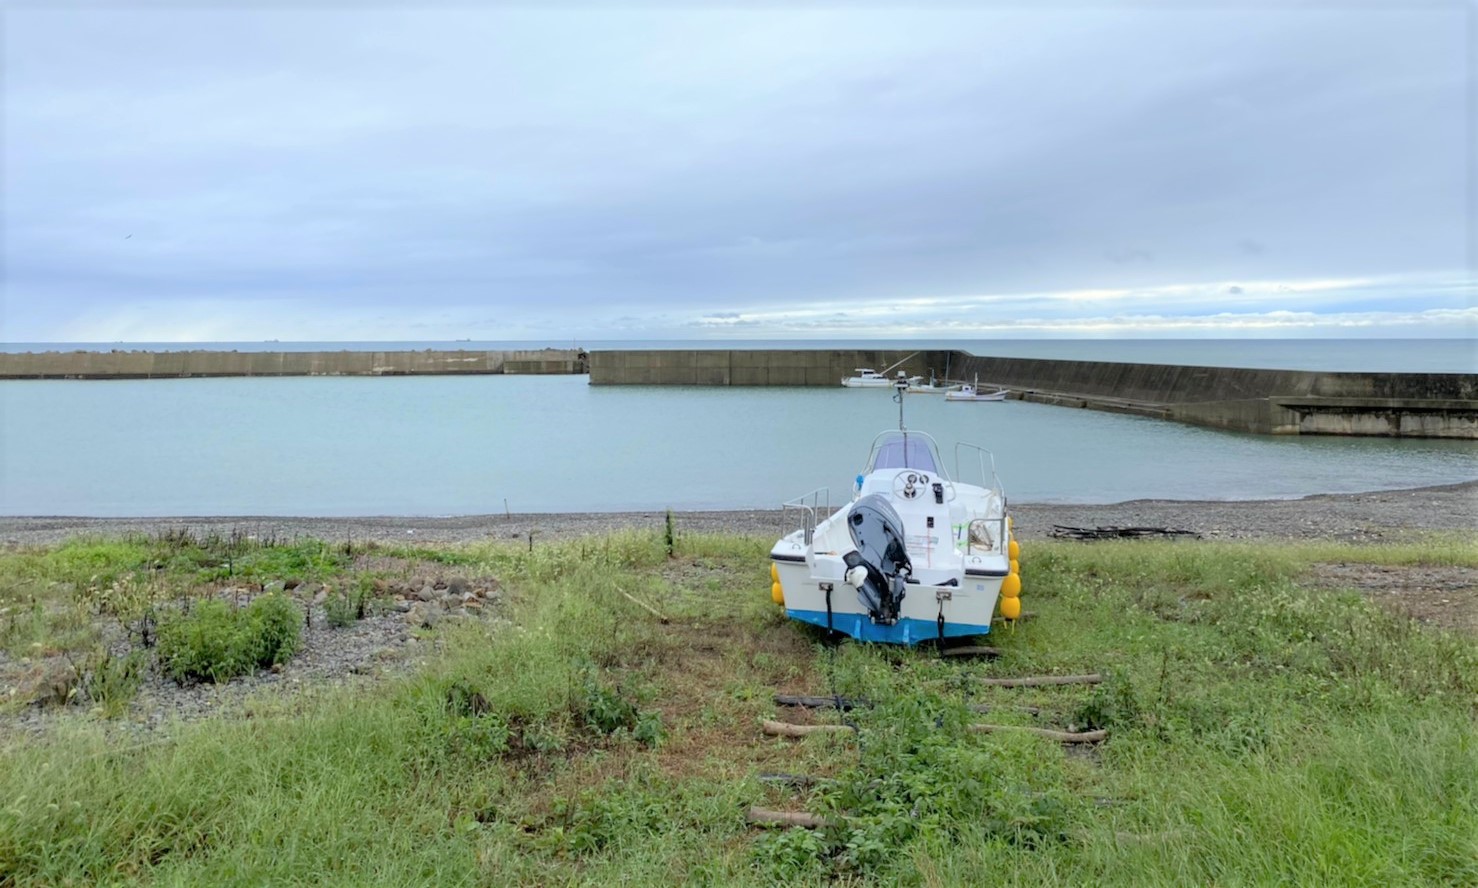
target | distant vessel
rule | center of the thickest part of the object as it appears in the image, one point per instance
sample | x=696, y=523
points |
x=915, y=556
x=867, y=378
x=917, y=386
x=971, y=392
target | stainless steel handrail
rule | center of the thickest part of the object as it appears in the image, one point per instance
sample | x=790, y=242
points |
x=991, y=543
x=810, y=505
x=981, y=455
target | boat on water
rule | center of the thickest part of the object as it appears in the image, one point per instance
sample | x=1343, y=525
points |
x=917, y=555
x=971, y=392
x=918, y=386
x=867, y=378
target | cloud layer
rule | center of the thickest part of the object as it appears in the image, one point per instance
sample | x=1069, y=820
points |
x=363, y=174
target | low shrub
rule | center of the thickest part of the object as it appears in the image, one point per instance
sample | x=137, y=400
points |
x=218, y=642
x=114, y=681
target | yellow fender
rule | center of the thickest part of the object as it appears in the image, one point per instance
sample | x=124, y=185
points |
x=1011, y=586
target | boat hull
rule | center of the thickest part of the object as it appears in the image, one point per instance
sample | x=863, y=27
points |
x=907, y=631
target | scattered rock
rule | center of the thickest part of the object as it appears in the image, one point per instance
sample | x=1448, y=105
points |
x=48, y=682
x=273, y=587
x=428, y=593
x=423, y=617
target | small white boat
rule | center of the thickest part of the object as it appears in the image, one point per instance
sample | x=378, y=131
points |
x=917, y=554
x=972, y=392
x=867, y=378
x=917, y=386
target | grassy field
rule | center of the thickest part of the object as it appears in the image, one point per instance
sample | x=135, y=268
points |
x=1261, y=731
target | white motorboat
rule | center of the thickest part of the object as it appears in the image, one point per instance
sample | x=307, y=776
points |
x=867, y=378
x=916, y=555
x=918, y=386
x=972, y=392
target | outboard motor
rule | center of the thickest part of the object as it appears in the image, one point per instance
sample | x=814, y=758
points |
x=879, y=567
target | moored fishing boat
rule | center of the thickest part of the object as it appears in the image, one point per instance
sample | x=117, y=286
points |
x=971, y=392
x=918, y=386
x=916, y=555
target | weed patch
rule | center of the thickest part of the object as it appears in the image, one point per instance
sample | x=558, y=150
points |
x=217, y=642
x=1260, y=732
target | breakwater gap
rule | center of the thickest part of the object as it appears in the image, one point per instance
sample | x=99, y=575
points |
x=1276, y=402
x=1280, y=402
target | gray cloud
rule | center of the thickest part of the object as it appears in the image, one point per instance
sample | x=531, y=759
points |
x=583, y=167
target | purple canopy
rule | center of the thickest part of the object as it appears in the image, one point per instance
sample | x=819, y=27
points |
x=905, y=453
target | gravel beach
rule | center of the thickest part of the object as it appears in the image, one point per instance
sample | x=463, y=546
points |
x=387, y=643
x=1346, y=516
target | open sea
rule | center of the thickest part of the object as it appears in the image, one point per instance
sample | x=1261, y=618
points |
x=1358, y=355
x=454, y=445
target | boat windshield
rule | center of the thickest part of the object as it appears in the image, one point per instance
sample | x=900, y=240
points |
x=900, y=450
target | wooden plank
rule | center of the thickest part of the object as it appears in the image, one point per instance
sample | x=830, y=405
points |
x=757, y=814
x=1037, y=681
x=785, y=729
x=1059, y=736
x=807, y=702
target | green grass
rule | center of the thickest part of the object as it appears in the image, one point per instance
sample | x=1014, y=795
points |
x=1261, y=732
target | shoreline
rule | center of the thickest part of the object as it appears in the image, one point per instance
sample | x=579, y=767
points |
x=1366, y=516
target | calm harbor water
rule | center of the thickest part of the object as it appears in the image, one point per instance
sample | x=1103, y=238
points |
x=465, y=445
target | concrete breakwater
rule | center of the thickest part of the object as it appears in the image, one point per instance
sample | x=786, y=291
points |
x=1424, y=405
x=184, y=364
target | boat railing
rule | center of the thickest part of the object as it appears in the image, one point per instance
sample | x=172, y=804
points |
x=812, y=506
x=985, y=534
x=930, y=444
x=985, y=465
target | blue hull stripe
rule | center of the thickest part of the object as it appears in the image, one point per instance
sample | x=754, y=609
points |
x=905, y=631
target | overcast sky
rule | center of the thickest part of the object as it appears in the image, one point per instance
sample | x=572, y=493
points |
x=363, y=173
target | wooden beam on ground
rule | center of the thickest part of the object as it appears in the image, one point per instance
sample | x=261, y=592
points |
x=971, y=650
x=807, y=702
x=1059, y=736
x=982, y=708
x=1037, y=681
x=786, y=818
x=798, y=781
x=785, y=729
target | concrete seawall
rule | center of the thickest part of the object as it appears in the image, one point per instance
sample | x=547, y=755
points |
x=1427, y=405
x=184, y=364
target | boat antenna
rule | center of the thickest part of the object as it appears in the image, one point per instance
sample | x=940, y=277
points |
x=900, y=385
